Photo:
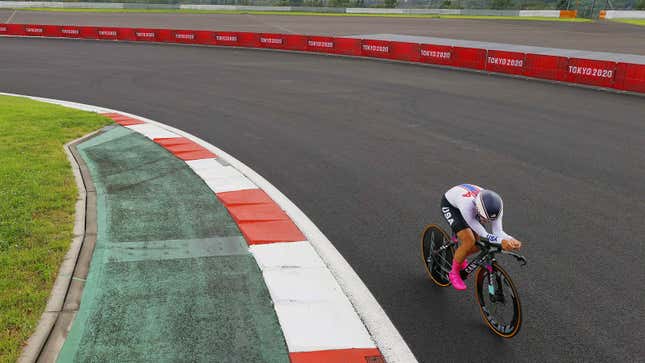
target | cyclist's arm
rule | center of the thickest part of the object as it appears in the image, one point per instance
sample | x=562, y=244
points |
x=496, y=227
x=508, y=242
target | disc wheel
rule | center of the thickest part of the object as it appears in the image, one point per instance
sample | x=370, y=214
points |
x=499, y=301
x=437, y=251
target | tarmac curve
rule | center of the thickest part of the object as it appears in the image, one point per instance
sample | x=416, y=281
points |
x=366, y=148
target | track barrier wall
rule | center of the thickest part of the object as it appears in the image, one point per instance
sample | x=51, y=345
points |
x=622, y=14
x=377, y=11
x=598, y=73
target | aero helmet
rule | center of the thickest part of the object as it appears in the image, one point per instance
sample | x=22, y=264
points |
x=489, y=205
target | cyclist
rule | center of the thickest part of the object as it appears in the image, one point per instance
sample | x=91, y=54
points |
x=466, y=207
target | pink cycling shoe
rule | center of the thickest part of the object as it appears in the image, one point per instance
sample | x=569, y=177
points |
x=455, y=278
x=464, y=264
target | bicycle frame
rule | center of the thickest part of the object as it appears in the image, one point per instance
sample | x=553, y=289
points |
x=486, y=257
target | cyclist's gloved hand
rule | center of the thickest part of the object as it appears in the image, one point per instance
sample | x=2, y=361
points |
x=511, y=244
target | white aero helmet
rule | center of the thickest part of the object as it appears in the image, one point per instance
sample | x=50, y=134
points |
x=489, y=205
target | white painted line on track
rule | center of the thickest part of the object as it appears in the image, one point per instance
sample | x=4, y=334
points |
x=10, y=17
x=387, y=337
x=278, y=26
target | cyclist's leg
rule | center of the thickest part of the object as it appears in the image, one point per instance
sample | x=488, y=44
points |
x=467, y=246
x=460, y=228
x=452, y=215
x=475, y=249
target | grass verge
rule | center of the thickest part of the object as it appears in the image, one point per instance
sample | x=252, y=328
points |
x=302, y=13
x=640, y=22
x=37, y=198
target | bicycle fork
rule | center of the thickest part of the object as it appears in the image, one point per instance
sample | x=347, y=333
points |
x=495, y=290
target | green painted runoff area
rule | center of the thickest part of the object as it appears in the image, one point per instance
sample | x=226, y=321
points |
x=171, y=278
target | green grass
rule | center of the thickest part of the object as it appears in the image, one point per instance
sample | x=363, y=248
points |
x=302, y=13
x=37, y=198
x=640, y=22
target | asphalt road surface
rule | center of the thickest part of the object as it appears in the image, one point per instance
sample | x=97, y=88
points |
x=597, y=36
x=366, y=149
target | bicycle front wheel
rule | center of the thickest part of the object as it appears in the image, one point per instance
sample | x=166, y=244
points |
x=498, y=300
x=437, y=251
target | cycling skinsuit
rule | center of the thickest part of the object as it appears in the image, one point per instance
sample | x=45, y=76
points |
x=458, y=208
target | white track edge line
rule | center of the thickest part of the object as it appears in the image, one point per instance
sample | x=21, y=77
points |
x=387, y=337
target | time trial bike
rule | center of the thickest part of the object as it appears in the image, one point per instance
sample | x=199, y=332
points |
x=496, y=293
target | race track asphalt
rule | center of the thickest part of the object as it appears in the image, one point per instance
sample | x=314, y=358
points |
x=366, y=148
x=603, y=36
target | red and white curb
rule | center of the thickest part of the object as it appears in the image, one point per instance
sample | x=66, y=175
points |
x=326, y=312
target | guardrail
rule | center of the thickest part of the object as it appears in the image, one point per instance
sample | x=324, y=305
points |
x=382, y=11
x=621, y=76
x=622, y=14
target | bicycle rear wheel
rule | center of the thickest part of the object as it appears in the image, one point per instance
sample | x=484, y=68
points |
x=437, y=251
x=498, y=300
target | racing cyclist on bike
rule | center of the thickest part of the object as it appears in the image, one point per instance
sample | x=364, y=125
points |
x=466, y=207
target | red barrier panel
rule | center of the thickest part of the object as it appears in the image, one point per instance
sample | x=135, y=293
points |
x=248, y=40
x=165, y=35
x=34, y=30
x=193, y=37
x=275, y=41
x=70, y=31
x=17, y=29
x=469, y=58
x=12, y=29
x=283, y=41
x=592, y=72
x=296, y=42
x=205, y=37
x=436, y=54
x=107, y=33
x=405, y=51
x=127, y=34
x=226, y=39
x=145, y=35
x=505, y=62
x=376, y=48
x=546, y=66
x=630, y=77
x=52, y=31
x=89, y=32
x=321, y=44
x=347, y=46
x=184, y=36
